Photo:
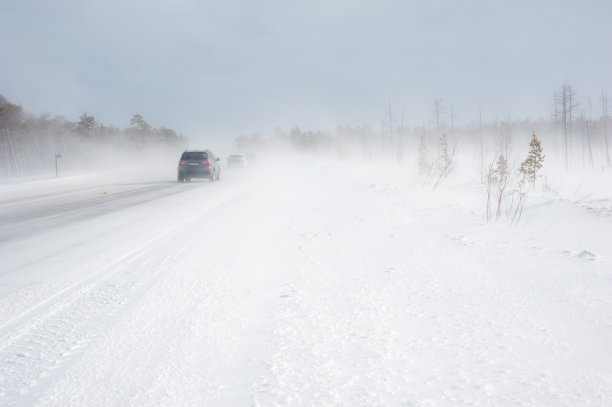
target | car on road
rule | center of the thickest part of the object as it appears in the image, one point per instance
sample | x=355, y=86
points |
x=198, y=164
x=236, y=160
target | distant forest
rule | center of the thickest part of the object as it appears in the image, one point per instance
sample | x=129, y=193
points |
x=29, y=144
x=574, y=135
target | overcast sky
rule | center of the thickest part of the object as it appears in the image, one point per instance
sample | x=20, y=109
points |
x=223, y=68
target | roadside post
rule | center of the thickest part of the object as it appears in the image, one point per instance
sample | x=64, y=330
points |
x=57, y=157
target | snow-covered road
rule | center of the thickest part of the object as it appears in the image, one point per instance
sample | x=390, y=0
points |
x=313, y=285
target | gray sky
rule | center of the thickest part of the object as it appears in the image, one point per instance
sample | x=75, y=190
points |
x=232, y=67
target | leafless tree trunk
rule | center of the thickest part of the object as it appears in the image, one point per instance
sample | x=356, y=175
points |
x=437, y=114
x=483, y=150
x=564, y=123
x=568, y=104
x=556, y=117
x=588, y=135
x=572, y=105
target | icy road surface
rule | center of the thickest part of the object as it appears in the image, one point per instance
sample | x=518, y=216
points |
x=317, y=287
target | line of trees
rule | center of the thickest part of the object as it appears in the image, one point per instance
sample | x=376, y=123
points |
x=575, y=125
x=29, y=143
x=576, y=135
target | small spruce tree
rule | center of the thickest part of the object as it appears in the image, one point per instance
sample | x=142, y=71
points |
x=535, y=159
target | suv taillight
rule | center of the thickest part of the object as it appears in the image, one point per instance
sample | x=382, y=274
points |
x=206, y=163
x=182, y=163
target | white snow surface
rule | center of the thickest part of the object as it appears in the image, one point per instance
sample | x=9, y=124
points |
x=309, y=283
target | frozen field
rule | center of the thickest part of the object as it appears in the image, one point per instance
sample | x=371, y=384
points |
x=306, y=285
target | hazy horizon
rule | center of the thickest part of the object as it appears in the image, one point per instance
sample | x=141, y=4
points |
x=220, y=70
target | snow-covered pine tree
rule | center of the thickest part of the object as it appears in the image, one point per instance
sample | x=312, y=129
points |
x=535, y=159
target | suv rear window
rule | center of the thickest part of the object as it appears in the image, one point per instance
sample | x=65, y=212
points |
x=191, y=155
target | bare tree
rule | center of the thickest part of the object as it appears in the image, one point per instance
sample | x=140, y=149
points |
x=438, y=110
x=587, y=124
x=556, y=118
x=567, y=103
x=571, y=105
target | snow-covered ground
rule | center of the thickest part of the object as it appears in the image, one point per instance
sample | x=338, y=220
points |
x=305, y=284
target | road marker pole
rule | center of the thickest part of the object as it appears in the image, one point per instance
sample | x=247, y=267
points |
x=57, y=156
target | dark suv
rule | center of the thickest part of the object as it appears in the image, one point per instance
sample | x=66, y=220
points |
x=198, y=164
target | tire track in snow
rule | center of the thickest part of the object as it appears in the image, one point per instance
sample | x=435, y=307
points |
x=26, y=218
x=49, y=340
x=53, y=303
x=45, y=337
x=195, y=326
x=15, y=327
